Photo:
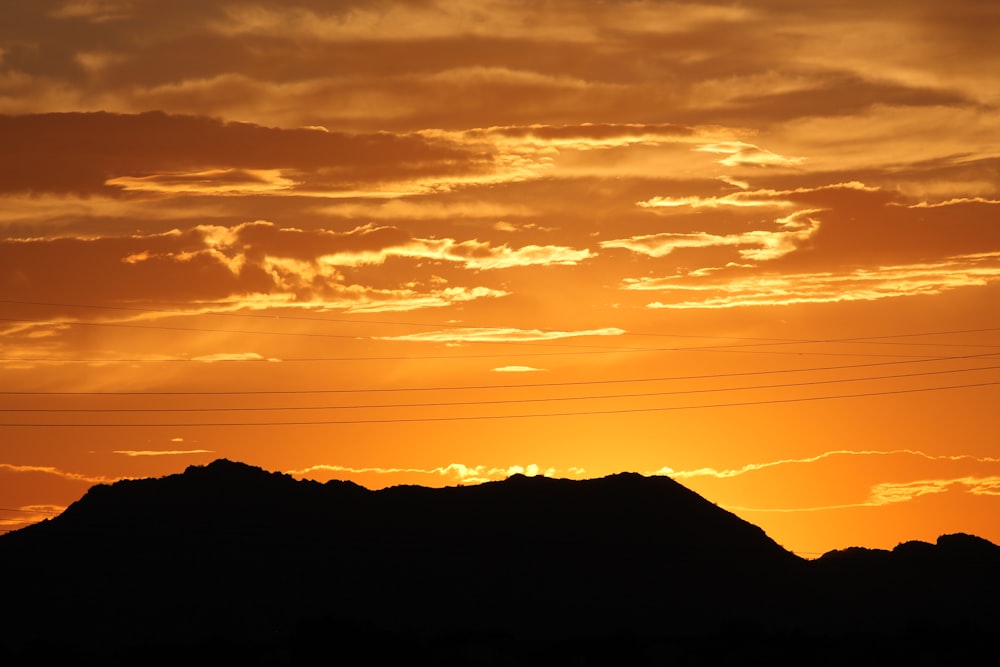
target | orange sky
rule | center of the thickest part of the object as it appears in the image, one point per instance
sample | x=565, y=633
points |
x=752, y=245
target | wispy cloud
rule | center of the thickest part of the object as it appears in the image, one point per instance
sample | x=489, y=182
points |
x=517, y=369
x=58, y=472
x=747, y=198
x=422, y=209
x=892, y=493
x=499, y=335
x=233, y=356
x=97, y=11
x=752, y=467
x=209, y=181
x=956, y=201
x=758, y=245
x=899, y=492
x=869, y=284
x=473, y=254
x=260, y=261
x=162, y=452
x=742, y=154
x=878, y=493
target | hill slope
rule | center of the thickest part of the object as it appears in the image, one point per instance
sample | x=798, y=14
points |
x=234, y=554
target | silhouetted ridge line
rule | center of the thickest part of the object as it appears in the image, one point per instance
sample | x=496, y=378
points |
x=231, y=553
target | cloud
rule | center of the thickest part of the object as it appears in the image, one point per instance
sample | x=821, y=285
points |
x=564, y=62
x=973, y=477
x=257, y=263
x=498, y=335
x=869, y=284
x=517, y=369
x=444, y=19
x=793, y=510
x=747, y=198
x=407, y=300
x=955, y=201
x=753, y=467
x=394, y=22
x=95, y=154
x=885, y=137
x=584, y=136
x=427, y=209
x=888, y=493
x=740, y=154
x=758, y=245
x=58, y=472
x=209, y=181
x=474, y=254
x=158, y=452
x=233, y=356
x=96, y=11
x=910, y=248
x=97, y=63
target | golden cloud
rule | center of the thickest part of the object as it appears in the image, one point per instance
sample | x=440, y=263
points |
x=754, y=467
x=517, y=369
x=757, y=245
x=498, y=335
x=889, y=493
x=209, y=181
x=160, y=452
x=740, y=154
x=752, y=198
x=58, y=472
x=827, y=287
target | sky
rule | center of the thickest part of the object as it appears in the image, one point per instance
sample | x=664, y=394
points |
x=752, y=245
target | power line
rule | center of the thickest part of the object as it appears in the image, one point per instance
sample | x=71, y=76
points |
x=582, y=413
x=438, y=357
x=592, y=350
x=522, y=385
x=544, y=399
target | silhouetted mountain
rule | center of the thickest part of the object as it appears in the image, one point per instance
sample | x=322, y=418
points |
x=232, y=559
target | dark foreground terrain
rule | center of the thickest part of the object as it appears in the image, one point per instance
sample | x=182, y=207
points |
x=235, y=565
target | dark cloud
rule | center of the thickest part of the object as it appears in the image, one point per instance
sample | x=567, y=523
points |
x=595, y=131
x=111, y=270
x=79, y=152
x=412, y=65
x=267, y=238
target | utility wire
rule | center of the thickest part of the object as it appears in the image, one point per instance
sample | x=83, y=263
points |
x=455, y=418
x=452, y=357
x=425, y=357
x=544, y=399
x=521, y=385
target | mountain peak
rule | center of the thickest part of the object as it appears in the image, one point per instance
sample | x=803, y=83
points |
x=228, y=468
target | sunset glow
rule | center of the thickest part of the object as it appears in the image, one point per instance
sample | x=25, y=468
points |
x=754, y=246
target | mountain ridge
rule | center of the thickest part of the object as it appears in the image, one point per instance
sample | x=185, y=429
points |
x=231, y=551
